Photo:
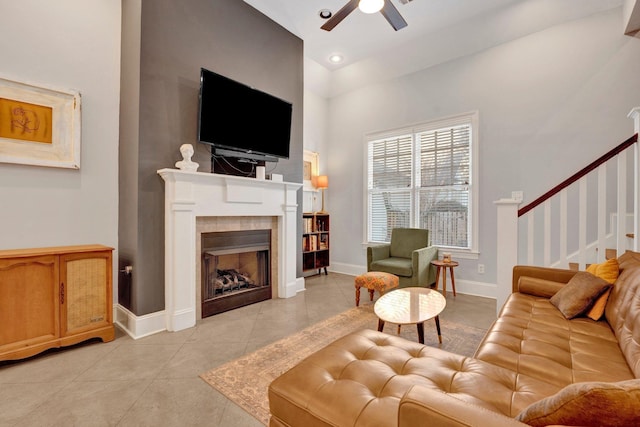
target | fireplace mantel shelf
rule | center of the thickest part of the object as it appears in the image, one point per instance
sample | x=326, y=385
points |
x=197, y=194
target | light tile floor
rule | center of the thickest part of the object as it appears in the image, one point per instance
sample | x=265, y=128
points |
x=154, y=381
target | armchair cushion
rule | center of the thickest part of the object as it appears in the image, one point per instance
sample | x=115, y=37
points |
x=377, y=252
x=397, y=266
x=406, y=240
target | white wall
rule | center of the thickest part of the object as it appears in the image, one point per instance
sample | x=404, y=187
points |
x=315, y=124
x=316, y=112
x=549, y=103
x=67, y=44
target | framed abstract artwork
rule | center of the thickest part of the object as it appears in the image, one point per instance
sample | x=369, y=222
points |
x=39, y=125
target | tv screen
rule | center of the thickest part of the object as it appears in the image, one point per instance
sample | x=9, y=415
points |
x=236, y=117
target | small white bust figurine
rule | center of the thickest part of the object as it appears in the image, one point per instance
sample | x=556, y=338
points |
x=186, y=164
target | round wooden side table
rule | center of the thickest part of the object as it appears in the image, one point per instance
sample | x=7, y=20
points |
x=443, y=265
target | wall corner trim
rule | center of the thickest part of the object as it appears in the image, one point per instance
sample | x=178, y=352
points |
x=138, y=326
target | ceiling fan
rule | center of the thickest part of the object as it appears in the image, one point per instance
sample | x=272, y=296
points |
x=388, y=10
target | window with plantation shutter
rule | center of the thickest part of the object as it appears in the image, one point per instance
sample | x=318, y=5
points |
x=390, y=177
x=423, y=177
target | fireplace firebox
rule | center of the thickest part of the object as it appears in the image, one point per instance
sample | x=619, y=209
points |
x=235, y=269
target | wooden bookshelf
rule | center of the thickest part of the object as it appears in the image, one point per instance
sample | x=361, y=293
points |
x=315, y=241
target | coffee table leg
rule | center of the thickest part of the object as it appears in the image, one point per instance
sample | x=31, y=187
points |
x=438, y=328
x=380, y=325
x=420, y=326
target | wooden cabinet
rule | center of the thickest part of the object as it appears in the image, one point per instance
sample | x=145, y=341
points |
x=315, y=242
x=54, y=297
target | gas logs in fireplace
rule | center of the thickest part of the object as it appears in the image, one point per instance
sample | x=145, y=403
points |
x=222, y=281
x=235, y=269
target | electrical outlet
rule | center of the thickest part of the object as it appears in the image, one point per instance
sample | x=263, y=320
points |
x=481, y=268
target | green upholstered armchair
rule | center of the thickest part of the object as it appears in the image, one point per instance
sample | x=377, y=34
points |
x=408, y=256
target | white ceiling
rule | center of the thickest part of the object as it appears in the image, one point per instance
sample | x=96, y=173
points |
x=359, y=34
x=437, y=31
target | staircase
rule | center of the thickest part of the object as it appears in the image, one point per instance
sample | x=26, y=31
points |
x=576, y=223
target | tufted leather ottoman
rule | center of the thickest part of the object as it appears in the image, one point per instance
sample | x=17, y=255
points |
x=375, y=281
x=361, y=378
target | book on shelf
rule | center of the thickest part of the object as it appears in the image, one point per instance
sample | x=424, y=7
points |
x=308, y=225
x=324, y=242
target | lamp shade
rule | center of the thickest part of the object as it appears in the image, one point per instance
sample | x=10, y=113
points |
x=370, y=6
x=322, y=181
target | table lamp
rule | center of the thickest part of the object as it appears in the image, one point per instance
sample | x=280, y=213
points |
x=322, y=182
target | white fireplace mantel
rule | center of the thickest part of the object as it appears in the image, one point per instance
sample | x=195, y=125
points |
x=189, y=195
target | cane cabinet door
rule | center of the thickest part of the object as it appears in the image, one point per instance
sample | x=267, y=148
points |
x=29, y=310
x=85, y=289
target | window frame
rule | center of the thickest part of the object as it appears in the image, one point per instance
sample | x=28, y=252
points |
x=471, y=118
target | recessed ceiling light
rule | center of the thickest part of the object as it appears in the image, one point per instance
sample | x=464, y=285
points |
x=336, y=58
x=325, y=13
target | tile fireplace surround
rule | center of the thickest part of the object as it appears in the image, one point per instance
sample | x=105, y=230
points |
x=213, y=201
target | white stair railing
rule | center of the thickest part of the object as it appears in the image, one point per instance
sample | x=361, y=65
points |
x=552, y=231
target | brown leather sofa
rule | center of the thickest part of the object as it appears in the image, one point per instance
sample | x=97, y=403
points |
x=533, y=365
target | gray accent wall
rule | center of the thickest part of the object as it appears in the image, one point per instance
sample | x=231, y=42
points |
x=176, y=39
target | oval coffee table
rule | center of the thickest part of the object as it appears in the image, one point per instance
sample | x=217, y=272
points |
x=407, y=306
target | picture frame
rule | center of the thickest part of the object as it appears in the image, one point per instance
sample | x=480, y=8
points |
x=40, y=125
x=310, y=169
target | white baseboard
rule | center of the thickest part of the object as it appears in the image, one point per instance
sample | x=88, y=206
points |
x=181, y=319
x=350, y=269
x=291, y=289
x=138, y=326
x=468, y=287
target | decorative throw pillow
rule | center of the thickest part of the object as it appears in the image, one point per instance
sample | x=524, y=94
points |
x=597, y=310
x=579, y=294
x=608, y=271
x=585, y=404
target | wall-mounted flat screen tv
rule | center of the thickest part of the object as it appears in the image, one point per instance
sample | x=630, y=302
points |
x=240, y=121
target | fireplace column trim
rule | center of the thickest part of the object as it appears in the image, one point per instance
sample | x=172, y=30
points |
x=194, y=194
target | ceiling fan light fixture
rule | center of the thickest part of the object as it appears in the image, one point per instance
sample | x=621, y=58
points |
x=371, y=6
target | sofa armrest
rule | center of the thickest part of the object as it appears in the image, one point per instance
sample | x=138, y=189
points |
x=424, y=273
x=544, y=273
x=424, y=407
x=377, y=252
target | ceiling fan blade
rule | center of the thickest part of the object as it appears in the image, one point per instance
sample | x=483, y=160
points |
x=340, y=15
x=392, y=15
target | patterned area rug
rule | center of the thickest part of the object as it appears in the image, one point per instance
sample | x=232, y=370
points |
x=245, y=380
